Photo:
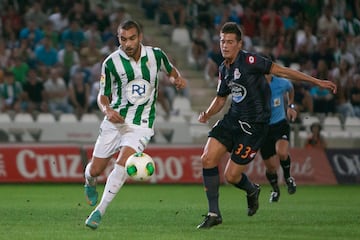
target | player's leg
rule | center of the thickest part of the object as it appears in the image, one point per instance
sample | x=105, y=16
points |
x=213, y=153
x=282, y=147
x=234, y=174
x=93, y=169
x=268, y=153
x=133, y=138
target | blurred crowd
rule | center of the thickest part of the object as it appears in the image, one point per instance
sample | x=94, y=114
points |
x=51, y=51
x=318, y=37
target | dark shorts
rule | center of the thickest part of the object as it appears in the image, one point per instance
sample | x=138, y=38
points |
x=277, y=131
x=242, y=142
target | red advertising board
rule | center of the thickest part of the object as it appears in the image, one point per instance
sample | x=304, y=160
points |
x=174, y=164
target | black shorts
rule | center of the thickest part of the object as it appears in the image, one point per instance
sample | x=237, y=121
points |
x=242, y=142
x=277, y=131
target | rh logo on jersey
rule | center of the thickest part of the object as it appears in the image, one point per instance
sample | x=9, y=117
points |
x=138, y=91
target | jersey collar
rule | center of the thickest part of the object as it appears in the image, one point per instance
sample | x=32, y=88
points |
x=142, y=54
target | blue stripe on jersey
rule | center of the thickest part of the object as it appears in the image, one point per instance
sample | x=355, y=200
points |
x=279, y=87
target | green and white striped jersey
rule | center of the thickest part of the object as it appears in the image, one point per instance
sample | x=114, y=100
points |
x=133, y=86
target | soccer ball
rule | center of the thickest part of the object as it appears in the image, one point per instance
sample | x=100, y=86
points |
x=140, y=166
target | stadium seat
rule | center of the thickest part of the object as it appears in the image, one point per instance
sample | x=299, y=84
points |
x=332, y=123
x=352, y=125
x=307, y=120
x=181, y=36
x=45, y=118
x=67, y=118
x=90, y=117
x=23, y=118
x=182, y=106
x=5, y=118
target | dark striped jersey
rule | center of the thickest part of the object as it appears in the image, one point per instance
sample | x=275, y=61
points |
x=245, y=81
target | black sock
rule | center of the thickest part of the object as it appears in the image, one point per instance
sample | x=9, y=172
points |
x=273, y=180
x=285, y=164
x=246, y=185
x=211, y=183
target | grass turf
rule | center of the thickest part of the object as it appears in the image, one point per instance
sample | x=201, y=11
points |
x=46, y=211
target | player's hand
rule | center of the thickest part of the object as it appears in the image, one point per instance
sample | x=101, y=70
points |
x=329, y=85
x=113, y=116
x=179, y=83
x=291, y=114
x=203, y=117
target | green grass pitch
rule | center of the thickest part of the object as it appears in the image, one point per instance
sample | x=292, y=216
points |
x=58, y=211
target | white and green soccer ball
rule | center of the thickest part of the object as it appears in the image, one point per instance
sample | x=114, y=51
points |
x=140, y=166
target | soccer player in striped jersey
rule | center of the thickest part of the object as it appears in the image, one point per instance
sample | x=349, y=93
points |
x=127, y=97
x=243, y=129
x=276, y=144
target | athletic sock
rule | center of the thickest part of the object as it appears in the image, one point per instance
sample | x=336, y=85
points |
x=273, y=180
x=211, y=184
x=113, y=184
x=89, y=180
x=246, y=185
x=285, y=164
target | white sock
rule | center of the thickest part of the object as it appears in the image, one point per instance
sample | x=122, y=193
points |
x=113, y=184
x=89, y=180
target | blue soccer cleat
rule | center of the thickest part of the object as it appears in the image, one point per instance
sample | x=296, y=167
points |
x=91, y=195
x=93, y=220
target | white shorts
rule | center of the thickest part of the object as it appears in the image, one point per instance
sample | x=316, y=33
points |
x=114, y=136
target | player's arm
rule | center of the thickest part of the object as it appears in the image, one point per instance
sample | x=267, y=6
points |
x=176, y=79
x=291, y=110
x=104, y=105
x=295, y=75
x=216, y=105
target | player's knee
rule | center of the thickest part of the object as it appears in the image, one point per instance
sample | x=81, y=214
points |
x=283, y=154
x=208, y=161
x=231, y=178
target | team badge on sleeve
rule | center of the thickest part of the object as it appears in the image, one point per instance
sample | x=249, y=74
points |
x=102, y=80
x=251, y=59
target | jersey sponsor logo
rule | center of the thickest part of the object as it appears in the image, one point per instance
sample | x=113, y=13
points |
x=238, y=92
x=138, y=91
x=251, y=59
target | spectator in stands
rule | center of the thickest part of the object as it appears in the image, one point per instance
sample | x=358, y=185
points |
x=20, y=69
x=323, y=99
x=342, y=77
x=79, y=93
x=59, y=19
x=10, y=93
x=5, y=54
x=327, y=23
x=34, y=93
x=10, y=17
x=271, y=26
x=57, y=92
x=68, y=57
x=250, y=20
x=316, y=140
x=306, y=41
x=172, y=13
x=355, y=95
x=101, y=18
x=50, y=32
x=25, y=53
x=349, y=25
x=199, y=45
x=45, y=53
x=36, y=14
x=32, y=32
x=213, y=62
x=84, y=67
x=73, y=33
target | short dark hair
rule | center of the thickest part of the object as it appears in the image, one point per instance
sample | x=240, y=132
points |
x=232, y=27
x=128, y=24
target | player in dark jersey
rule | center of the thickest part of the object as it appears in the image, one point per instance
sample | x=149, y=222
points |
x=276, y=144
x=243, y=128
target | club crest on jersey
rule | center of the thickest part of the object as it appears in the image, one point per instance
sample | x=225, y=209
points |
x=237, y=73
x=238, y=92
x=138, y=91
